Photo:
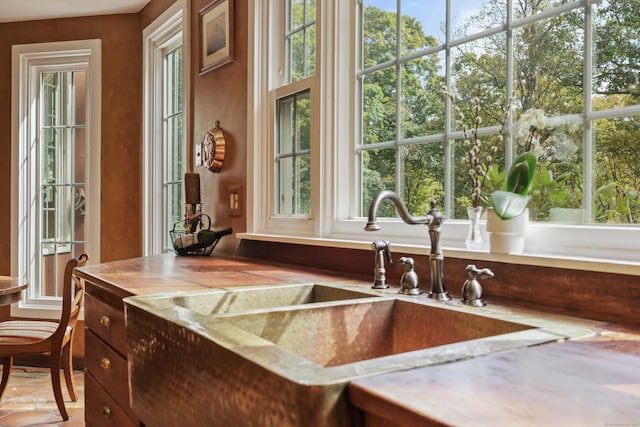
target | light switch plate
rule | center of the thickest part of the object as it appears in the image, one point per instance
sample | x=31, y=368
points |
x=235, y=200
x=198, y=153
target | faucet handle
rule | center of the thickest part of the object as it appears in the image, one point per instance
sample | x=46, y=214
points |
x=409, y=279
x=471, y=289
x=483, y=273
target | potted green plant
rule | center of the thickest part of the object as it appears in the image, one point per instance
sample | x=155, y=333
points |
x=508, y=216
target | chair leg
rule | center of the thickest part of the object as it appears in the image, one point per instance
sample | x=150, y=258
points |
x=67, y=367
x=7, y=364
x=55, y=382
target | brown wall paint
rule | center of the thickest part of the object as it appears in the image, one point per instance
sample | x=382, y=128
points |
x=221, y=94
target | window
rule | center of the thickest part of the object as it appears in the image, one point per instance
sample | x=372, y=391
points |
x=289, y=115
x=383, y=121
x=56, y=169
x=164, y=132
x=292, y=155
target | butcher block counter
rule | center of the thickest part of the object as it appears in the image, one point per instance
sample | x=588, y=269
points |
x=591, y=381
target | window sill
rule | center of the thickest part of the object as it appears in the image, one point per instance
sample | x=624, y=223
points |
x=602, y=265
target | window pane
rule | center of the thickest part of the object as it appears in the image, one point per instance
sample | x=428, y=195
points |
x=558, y=183
x=414, y=36
x=524, y=8
x=479, y=72
x=379, y=28
x=617, y=170
x=303, y=121
x=300, y=40
x=379, y=106
x=420, y=24
x=297, y=56
x=378, y=172
x=293, y=177
x=616, y=76
x=548, y=56
x=422, y=99
x=285, y=196
x=472, y=16
x=297, y=13
x=422, y=176
x=303, y=185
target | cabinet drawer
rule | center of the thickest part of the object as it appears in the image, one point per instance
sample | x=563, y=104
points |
x=107, y=322
x=108, y=368
x=100, y=409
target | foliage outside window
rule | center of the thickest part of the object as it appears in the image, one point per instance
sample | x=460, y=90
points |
x=300, y=39
x=574, y=60
x=293, y=155
x=378, y=118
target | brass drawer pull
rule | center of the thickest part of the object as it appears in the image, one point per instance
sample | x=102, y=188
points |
x=106, y=411
x=105, y=363
x=105, y=321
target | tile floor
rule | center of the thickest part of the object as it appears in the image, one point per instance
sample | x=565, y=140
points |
x=28, y=400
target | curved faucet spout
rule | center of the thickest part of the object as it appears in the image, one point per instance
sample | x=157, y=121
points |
x=372, y=223
x=434, y=220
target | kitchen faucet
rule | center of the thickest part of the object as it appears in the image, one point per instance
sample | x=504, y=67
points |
x=434, y=220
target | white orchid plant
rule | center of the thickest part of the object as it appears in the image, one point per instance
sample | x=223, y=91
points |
x=513, y=198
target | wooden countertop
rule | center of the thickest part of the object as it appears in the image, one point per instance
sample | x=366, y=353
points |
x=168, y=273
x=588, y=382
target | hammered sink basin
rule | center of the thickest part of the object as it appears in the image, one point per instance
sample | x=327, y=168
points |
x=249, y=298
x=353, y=332
x=290, y=365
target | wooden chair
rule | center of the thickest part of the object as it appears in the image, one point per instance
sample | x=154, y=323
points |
x=26, y=337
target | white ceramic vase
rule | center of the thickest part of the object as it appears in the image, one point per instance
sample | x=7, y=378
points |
x=507, y=236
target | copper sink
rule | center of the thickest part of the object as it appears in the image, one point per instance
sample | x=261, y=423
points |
x=249, y=298
x=192, y=364
x=352, y=332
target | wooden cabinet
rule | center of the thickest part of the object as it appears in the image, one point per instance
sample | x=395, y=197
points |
x=106, y=376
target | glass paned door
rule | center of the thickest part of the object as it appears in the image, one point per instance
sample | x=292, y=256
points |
x=173, y=142
x=62, y=168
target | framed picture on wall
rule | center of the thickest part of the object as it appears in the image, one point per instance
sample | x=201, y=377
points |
x=216, y=35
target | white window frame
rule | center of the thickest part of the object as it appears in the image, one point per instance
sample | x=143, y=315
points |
x=332, y=223
x=165, y=31
x=24, y=234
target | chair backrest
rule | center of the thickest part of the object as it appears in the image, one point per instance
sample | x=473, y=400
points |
x=72, y=295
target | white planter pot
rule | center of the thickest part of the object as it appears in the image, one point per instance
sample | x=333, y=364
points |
x=507, y=236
